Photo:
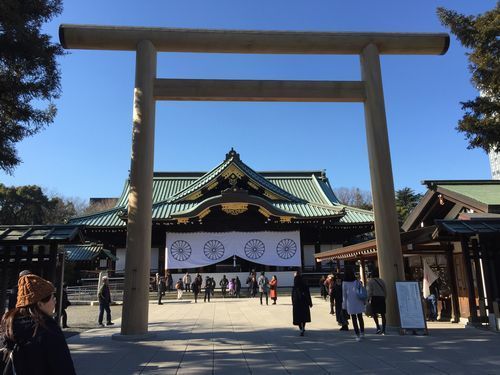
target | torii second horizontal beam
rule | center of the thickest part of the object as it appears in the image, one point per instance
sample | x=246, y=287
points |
x=259, y=91
x=126, y=38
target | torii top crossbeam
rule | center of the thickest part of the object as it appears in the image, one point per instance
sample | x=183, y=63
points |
x=126, y=38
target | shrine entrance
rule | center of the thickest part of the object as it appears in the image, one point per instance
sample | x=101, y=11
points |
x=146, y=42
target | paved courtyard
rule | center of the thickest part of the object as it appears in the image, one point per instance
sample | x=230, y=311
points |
x=242, y=337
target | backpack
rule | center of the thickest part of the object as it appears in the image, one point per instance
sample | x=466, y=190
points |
x=361, y=292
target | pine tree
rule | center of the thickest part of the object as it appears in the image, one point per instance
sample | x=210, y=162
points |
x=481, y=120
x=29, y=75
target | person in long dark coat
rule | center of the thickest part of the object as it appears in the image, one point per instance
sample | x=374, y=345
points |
x=301, y=301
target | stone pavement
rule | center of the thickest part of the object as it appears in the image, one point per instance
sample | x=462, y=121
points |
x=242, y=337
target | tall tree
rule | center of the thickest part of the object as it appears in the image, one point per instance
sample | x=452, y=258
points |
x=29, y=75
x=30, y=205
x=406, y=200
x=354, y=197
x=481, y=120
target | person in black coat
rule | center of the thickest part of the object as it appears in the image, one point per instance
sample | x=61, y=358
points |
x=65, y=304
x=162, y=288
x=31, y=343
x=301, y=301
x=195, y=287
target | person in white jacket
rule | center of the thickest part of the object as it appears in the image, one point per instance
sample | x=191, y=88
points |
x=352, y=303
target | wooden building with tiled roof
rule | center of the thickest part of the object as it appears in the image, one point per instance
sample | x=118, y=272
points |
x=233, y=198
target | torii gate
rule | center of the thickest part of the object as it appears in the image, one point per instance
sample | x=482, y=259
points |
x=148, y=41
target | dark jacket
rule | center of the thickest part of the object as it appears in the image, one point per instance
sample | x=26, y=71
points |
x=301, y=301
x=45, y=353
x=104, y=294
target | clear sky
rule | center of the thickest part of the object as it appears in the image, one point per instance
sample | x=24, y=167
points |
x=86, y=151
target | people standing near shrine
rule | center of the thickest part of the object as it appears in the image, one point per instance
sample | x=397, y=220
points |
x=30, y=339
x=162, y=287
x=237, y=287
x=180, y=289
x=340, y=312
x=196, y=289
x=322, y=288
x=199, y=280
x=208, y=287
x=186, y=280
x=353, y=303
x=254, y=286
x=301, y=301
x=329, y=286
x=169, y=281
x=213, y=285
x=273, y=289
x=377, y=293
x=231, y=287
x=223, y=285
x=250, y=284
x=263, y=283
x=104, y=296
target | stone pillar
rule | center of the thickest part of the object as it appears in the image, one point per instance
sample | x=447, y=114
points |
x=390, y=257
x=138, y=256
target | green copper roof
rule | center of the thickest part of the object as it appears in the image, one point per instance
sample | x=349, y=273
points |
x=306, y=194
x=487, y=194
x=76, y=253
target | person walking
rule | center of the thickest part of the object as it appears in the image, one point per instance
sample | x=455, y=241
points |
x=263, y=283
x=223, y=285
x=208, y=291
x=180, y=288
x=196, y=290
x=30, y=339
x=162, y=287
x=237, y=287
x=353, y=303
x=301, y=301
x=377, y=293
x=273, y=289
x=104, y=296
x=340, y=312
x=186, y=280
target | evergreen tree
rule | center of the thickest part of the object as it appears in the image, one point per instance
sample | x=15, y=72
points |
x=481, y=121
x=29, y=76
x=406, y=200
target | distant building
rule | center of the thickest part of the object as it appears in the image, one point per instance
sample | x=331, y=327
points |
x=494, y=164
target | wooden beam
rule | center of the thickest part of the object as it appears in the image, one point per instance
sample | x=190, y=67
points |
x=125, y=38
x=261, y=91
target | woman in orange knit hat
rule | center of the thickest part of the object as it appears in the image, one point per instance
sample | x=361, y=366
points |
x=31, y=342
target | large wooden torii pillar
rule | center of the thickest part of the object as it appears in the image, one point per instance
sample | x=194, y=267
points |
x=148, y=41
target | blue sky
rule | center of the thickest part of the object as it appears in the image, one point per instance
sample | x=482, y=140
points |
x=86, y=151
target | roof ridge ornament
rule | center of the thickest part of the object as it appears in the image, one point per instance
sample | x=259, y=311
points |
x=232, y=154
